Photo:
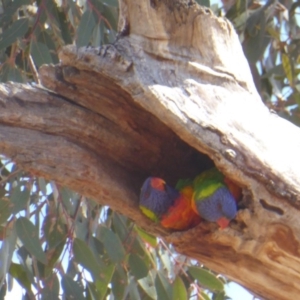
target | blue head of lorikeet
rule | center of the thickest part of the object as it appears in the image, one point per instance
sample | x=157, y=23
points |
x=156, y=198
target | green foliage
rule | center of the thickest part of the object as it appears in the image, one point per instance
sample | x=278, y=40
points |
x=34, y=31
x=204, y=2
x=207, y=279
x=269, y=33
x=29, y=236
x=57, y=241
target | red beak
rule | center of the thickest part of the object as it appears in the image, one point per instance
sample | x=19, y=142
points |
x=223, y=222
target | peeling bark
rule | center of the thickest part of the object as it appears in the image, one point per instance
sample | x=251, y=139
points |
x=171, y=95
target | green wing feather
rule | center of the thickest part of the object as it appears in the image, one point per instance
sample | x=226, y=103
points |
x=207, y=183
x=204, y=185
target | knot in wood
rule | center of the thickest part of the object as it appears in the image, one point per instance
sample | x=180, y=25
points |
x=230, y=154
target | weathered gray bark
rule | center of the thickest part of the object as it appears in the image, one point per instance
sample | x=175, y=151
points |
x=172, y=94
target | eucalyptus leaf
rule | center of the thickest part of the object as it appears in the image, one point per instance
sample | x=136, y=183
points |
x=6, y=251
x=179, y=291
x=19, y=198
x=204, y=2
x=16, y=30
x=84, y=256
x=29, y=236
x=72, y=289
x=92, y=292
x=119, y=282
x=40, y=53
x=288, y=68
x=85, y=28
x=42, y=185
x=51, y=289
x=137, y=266
x=206, y=279
x=146, y=237
x=148, y=285
x=112, y=245
x=3, y=289
x=18, y=272
x=163, y=287
x=5, y=209
x=10, y=9
x=105, y=278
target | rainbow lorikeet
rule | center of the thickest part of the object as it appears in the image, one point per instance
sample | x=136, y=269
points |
x=210, y=195
x=171, y=207
x=215, y=197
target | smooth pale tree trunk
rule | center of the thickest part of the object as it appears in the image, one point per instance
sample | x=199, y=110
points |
x=169, y=98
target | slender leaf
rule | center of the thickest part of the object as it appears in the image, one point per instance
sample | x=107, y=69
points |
x=204, y=296
x=28, y=234
x=111, y=14
x=133, y=292
x=72, y=289
x=19, y=198
x=112, y=244
x=119, y=282
x=52, y=14
x=288, y=68
x=105, y=278
x=147, y=284
x=42, y=185
x=3, y=289
x=179, y=291
x=51, y=289
x=55, y=231
x=26, y=262
x=5, y=209
x=69, y=200
x=146, y=237
x=52, y=256
x=120, y=226
x=220, y=296
x=40, y=53
x=204, y=2
x=206, y=279
x=16, y=30
x=112, y=2
x=10, y=72
x=97, y=36
x=19, y=273
x=6, y=252
x=163, y=288
x=137, y=266
x=85, y=28
x=84, y=256
x=65, y=26
x=92, y=292
x=166, y=260
x=82, y=228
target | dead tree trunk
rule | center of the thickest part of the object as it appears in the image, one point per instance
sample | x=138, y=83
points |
x=171, y=96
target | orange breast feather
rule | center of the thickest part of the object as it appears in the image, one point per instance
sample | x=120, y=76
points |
x=181, y=216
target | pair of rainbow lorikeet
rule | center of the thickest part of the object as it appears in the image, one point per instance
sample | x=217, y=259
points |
x=210, y=196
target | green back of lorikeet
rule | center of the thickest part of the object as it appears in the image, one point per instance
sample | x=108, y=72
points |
x=204, y=184
x=207, y=183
